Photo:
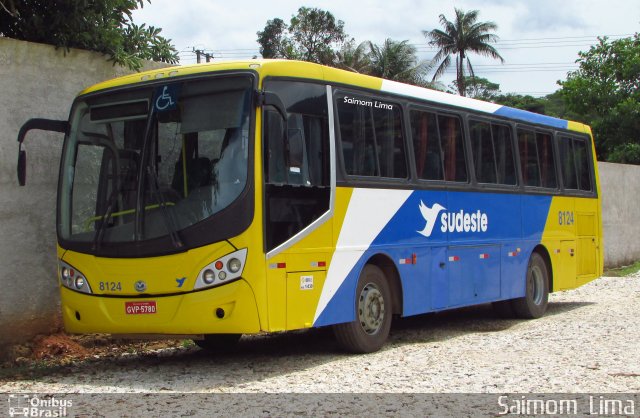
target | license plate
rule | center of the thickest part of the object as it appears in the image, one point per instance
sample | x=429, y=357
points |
x=138, y=308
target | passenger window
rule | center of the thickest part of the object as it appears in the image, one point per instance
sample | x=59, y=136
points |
x=296, y=192
x=576, y=171
x=547, y=163
x=438, y=146
x=529, y=158
x=371, y=136
x=568, y=164
x=536, y=159
x=426, y=145
x=505, y=163
x=455, y=166
x=484, y=153
x=493, y=153
x=583, y=170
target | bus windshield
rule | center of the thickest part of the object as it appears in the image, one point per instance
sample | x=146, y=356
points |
x=152, y=161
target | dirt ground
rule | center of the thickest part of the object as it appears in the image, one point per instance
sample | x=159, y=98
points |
x=62, y=349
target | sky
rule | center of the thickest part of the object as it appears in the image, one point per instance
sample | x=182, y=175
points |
x=538, y=39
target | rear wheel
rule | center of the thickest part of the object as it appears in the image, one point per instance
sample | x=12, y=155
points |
x=536, y=298
x=218, y=343
x=370, y=330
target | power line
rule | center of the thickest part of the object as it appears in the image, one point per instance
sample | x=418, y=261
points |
x=504, y=44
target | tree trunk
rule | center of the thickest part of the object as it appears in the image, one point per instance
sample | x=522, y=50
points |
x=460, y=75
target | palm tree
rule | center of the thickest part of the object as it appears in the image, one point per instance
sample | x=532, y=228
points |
x=460, y=37
x=397, y=61
x=354, y=58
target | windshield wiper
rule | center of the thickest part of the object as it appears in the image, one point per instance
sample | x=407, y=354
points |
x=168, y=219
x=97, y=239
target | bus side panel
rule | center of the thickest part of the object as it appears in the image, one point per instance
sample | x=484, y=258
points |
x=430, y=224
x=367, y=213
x=475, y=261
x=535, y=215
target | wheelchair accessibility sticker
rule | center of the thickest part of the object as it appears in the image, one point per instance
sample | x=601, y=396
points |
x=166, y=98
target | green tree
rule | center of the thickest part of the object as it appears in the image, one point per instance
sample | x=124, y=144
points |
x=459, y=38
x=354, y=57
x=397, y=61
x=272, y=40
x=104, y=26
x=524, y=102
x=312, y=35
x=605, y=92
x=478, y=88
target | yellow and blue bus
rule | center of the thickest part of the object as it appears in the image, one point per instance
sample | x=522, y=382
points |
x=263, y=196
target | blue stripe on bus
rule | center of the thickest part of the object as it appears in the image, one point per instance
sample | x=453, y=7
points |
x=527, y=116
x=435, y=282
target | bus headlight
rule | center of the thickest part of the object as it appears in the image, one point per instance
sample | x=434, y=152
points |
x=223, y=270
x=209, y=276
x=72, y=279
x=234, y=265
x=79, y=282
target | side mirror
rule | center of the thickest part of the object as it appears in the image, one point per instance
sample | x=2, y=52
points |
x=42, y=124
x=22, y=167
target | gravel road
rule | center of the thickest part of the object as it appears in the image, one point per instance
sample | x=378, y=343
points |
x=587, y=342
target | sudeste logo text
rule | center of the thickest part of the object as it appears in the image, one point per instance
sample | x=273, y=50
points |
x=459, y=221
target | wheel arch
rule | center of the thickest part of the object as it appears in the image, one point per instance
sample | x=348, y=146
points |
x=544, y=253
x=388, y=267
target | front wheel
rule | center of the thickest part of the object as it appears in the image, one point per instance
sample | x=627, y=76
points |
x=536, y=298
x=370, y=330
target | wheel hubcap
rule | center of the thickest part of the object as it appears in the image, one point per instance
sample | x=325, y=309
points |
x=371, y=308
x=537, y=285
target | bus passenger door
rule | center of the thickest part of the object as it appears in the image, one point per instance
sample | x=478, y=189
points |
x=297, y=195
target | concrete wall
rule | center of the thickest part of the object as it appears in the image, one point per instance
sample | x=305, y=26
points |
x=40, y=81
x=35, y=81
x=620, y=185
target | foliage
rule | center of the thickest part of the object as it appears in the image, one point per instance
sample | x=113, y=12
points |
x=311, y=36
x=478, y=88
x=272, y=40
x=104, y=26
x=605, y=93
x=458, y=38
x=628, y=153
x=524, y=102
x=397, y=61
x=354, y=57
x=623, y=271
x=316, y=36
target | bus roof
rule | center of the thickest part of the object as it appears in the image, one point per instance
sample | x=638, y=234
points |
x=307, y=70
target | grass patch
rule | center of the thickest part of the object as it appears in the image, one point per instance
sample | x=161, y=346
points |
x=624, y=270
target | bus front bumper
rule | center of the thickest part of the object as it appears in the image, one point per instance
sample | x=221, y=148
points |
x=230, y=308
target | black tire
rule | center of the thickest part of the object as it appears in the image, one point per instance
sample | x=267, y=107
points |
x=536, y=298
x=218, y=343
x=373, y=310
